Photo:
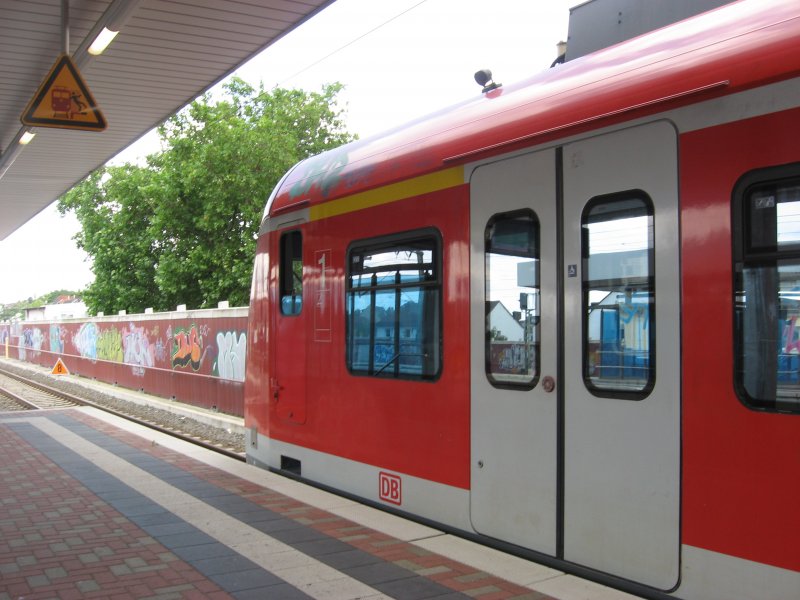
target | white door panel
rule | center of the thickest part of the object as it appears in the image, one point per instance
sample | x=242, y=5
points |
x=622, y=456
x=620, y=483
x=514, y=431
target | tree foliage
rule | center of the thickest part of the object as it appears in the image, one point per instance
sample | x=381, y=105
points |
x=182, y=228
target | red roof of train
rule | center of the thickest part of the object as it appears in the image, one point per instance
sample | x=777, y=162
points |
x=726, y=50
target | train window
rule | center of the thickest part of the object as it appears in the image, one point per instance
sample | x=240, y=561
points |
x=618, y=296
x=767, y=289
x=291, y=273
x=393, y=306
x=512, y=299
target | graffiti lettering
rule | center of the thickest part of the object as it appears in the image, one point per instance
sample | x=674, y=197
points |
x=138, y=351
x=109, y=345
x=31, y=339
x=16, y=333
x=510, y=358
x=57, y=339
x=160, y=351
x=232, y=352
x=187, y=348
x=628, y=311
x=85, y=341
x=323, y=170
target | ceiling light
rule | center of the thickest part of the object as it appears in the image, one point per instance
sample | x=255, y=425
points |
x=101, y=42
x=26, y=138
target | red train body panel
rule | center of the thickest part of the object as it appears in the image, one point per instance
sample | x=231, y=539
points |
x=560, y=317
x=730, y=452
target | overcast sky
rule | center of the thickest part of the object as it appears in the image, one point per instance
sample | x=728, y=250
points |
x=399, y=59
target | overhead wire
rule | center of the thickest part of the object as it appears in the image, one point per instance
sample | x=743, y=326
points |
x=350, y=43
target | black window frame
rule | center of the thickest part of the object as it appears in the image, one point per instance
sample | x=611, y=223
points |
x=749, y=253
x=534, y=253
x=291, y=252
x=587, y=285
x=434, y=338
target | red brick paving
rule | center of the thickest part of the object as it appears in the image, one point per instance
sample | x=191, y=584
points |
x=449, y=573
x=61, y=541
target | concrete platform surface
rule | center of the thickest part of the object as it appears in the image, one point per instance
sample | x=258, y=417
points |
x=96, y=507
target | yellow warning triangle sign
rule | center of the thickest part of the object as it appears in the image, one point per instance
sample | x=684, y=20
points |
x=60, y=368
x=64, y=100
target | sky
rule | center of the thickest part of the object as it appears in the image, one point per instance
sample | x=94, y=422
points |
x=398, y=60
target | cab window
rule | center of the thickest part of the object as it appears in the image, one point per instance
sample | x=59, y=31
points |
x=291, y=273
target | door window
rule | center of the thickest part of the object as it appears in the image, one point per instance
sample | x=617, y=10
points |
x=618, y=296
x=512, y=299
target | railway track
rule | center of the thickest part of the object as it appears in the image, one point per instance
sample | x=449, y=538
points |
x=19, y=392
x=16, y=394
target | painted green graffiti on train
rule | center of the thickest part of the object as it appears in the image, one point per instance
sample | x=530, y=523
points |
x=322, y=170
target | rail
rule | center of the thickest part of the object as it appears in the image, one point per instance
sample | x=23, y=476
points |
x=149, y=423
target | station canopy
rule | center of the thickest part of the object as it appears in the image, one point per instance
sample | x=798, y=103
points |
x=167, y=53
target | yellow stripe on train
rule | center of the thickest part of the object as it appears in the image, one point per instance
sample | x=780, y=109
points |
x=424, y=184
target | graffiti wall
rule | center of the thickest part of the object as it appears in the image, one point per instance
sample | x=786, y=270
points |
x=195, y=356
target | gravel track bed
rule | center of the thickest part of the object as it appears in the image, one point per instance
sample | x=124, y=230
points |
x=8, y=405
x=217, y=436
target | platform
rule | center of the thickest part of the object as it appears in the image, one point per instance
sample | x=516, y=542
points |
x=98, y=507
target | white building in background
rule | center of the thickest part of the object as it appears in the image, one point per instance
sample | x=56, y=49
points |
x=504, y=321
x=66, y=307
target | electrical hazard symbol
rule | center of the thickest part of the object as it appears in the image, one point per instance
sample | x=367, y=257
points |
x=64, y=100
x=60, y=368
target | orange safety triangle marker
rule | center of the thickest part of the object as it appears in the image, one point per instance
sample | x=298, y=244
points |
x=63, y=100
x=60, y=368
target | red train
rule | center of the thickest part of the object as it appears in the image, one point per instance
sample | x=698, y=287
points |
x=560, y=317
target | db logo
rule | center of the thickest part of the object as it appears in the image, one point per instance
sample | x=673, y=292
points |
x=391, y=488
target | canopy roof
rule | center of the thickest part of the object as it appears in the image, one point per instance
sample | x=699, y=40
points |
x=167, y=53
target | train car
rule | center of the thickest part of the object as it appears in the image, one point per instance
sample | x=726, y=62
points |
x=560, y=317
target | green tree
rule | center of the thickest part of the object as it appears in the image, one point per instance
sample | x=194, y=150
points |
x=182, y=229
x=115, y=207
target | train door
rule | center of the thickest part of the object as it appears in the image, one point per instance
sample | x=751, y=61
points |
x=513, y=351
x=621, y=384
x=288, y=381
x=575, y=396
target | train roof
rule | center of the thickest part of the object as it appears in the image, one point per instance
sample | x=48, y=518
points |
x=726, y=50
